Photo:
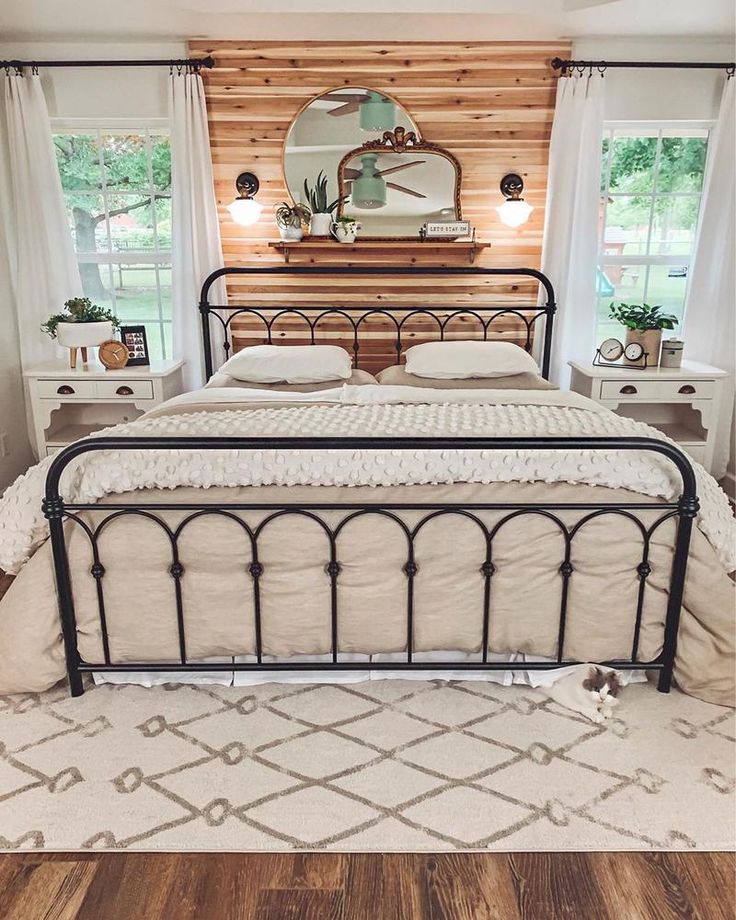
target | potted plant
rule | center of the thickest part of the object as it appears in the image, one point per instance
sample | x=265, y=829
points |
x=345, y=229
x=322, y=211
x=290, y=219
x=644, y=324
x=84, y=325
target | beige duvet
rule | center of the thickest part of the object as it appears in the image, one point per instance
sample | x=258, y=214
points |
x=295, y=589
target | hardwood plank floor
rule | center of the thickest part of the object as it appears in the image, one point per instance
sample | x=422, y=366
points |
x=324, y=886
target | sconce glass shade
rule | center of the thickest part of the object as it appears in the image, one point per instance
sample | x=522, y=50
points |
x=514, y=212
x=245, y=211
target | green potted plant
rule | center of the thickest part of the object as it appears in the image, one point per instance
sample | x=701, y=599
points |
x=291, y=220
x=644, y=324
x=345, y=229
x=84, y=325
x=321, y=209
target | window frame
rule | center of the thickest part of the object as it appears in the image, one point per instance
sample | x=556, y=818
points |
x=157, y=258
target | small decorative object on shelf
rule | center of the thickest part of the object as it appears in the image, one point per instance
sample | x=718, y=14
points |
x=446, y=230
x=321, y=209
x=83, y=326
x=345, y=229
x=671, y=353
x=134, y=338
x=644, y=324
x=610, y=352
x=291, y=220
x=113, y=354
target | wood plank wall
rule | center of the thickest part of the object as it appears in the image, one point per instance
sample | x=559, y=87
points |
x=490, y=103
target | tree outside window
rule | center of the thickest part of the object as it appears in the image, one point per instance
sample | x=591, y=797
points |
x=117, y=188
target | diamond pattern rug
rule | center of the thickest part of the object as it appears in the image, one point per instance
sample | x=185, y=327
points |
x=381, y=765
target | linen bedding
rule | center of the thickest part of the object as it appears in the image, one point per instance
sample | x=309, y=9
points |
x=371, y=586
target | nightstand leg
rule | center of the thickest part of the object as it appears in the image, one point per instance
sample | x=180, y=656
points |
x=73, y=358
x=84, y=354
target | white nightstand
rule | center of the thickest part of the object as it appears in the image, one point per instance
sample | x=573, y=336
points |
x=684, y=403
x=70, y=404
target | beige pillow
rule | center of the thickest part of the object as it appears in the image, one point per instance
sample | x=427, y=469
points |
x=398, y=376
x=468, y=358
x=357, y=378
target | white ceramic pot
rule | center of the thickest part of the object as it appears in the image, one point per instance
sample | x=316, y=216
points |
x=344, y=233
x=291, y=234
x=320, y=224
x=83, y=335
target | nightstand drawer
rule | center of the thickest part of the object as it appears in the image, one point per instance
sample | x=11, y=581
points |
x=687, y=389
x=124, y=389
x=67, y=389
x=630, y=389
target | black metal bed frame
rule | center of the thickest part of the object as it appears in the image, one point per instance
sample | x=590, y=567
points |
x=59, y=512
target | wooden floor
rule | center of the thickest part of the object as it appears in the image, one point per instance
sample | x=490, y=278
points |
x=515, y=886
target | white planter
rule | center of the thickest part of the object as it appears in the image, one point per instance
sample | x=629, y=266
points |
x=83, y=335
x=291, y=234
x=320, y=224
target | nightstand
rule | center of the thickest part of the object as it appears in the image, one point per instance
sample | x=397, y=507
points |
x=684, y=402
x=70, y=404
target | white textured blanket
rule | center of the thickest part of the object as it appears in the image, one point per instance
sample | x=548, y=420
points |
x=23, y=527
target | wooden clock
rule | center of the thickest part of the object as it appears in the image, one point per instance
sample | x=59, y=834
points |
x=114, y=354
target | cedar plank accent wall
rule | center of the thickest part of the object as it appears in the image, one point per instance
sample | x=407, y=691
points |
x=490, y=103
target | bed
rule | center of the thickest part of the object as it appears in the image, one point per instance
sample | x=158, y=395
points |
x=390, y=528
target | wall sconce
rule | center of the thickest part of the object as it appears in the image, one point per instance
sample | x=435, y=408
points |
x=514, y=211
x=245, y=210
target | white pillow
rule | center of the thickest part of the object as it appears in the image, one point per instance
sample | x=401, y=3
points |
x=465, y=360
x=289, y=364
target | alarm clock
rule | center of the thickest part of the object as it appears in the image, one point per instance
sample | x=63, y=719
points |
x=611, y=350
x=113, y=354
x=634, y=351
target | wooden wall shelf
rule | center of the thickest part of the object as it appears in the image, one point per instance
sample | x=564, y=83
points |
x=401, y=252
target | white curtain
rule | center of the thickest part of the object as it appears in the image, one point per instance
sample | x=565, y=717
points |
x=709, y=331
x=43, y=265
x=569, y=250
x=196, y=249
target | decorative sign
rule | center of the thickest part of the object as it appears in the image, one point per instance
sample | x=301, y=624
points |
x=446, y=229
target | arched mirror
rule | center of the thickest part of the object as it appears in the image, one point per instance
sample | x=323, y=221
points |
x=330, y=126
x=397, y=183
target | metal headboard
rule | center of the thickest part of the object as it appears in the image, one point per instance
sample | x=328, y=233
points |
x=356, y=315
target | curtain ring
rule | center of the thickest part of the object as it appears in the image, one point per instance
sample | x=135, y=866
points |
x=730, y=71
x=34, y=70
x=602, y=69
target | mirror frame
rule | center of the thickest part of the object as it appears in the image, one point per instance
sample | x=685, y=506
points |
x=400, y=141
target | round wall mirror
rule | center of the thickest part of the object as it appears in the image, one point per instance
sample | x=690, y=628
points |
x=328, y=128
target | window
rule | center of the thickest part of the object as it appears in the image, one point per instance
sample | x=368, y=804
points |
x=117, y=188
x=651, y=184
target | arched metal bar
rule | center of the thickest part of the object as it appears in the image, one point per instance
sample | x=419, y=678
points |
x=96, y=571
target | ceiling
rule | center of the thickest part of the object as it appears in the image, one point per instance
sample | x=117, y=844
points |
x=112, y=20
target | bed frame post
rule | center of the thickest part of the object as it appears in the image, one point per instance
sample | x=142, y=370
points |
x=204, y=312
x=53, y=509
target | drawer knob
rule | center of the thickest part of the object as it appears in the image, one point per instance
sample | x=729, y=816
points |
x=687, y=389
x=65, y=390
x=124, y=391
x=628, y=389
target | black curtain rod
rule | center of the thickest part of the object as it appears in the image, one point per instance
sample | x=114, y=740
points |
x=196, y=63
x=559, y=64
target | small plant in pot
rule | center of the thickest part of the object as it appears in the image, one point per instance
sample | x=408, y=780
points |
x=644, y=324
x=345, y=229
x=84, y=325
x=291, y=220
x=321, y=209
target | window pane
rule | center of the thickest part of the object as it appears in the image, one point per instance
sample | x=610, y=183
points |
x=97, y=283
x=163, y=222
x=86, y=216
x=161, y=162
x=674, y=226
x=667, y=285
x=126, y=162
x=632, y=163
x=78, y=159
x=131, y=223
x=136, y=292
x=627, y=226
x=681, y=164
x=614, y=284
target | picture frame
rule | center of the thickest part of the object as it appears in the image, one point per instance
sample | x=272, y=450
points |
x=134, y=337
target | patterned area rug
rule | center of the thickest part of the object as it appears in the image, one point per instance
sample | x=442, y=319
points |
x=383, y=765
